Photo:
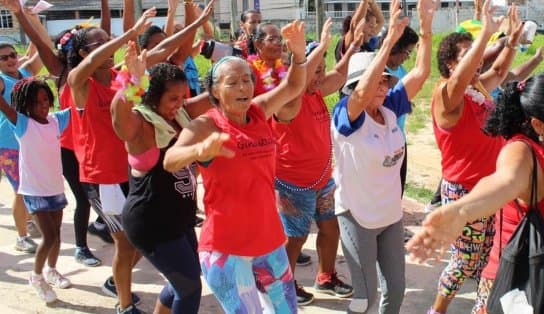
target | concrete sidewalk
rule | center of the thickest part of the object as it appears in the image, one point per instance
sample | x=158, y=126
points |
x=85, y=296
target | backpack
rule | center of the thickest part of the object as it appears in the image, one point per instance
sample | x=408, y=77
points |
x=521, y=263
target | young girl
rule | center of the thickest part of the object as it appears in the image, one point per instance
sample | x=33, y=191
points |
x=40, y=171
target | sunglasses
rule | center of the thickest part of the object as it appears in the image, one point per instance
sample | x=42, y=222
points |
x=12, y=55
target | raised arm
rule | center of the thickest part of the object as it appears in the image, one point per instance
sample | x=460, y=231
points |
x=170, y=44
x=512, y=179
x=171, y=17
x=414, y=80
x=357, y=17
x=450, y=95
x=295, y=81
x=128, y=15
x=377, y=11
x=500, y=68
x=78, y=77
x=367, y=86
x=105, y=16
x=42, y=43
x=128, y=124
x=336, y=78
x=185, y=47
x=523, y=70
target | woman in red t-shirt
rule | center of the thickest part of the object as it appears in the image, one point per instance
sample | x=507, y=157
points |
x=236, y=151
x=519, y=118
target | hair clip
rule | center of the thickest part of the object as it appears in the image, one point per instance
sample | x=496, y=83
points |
x=521, y=85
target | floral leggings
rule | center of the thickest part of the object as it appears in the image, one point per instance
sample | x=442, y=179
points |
x=239, y=282
x=470, y=252
x=484, y=289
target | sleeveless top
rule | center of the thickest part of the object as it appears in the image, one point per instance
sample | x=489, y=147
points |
x=160, y=206
x=240, y=202
x=304, y=144
x=468, y=154
x=511, y=216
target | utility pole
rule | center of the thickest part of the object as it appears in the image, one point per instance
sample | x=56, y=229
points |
x=319, y=18
x=233, y=18
x=138, y=9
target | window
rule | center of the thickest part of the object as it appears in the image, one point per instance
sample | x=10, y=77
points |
x=337, y=7
x=6, y=19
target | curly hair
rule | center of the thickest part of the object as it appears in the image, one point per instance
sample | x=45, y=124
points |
x=24, y=95
x=448, y=51
x=148, y=33
x=79, y=41
x=516, y=105
x=161, y=76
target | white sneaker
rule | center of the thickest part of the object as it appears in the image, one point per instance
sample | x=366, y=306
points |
x=54, y=278
x=43, y=289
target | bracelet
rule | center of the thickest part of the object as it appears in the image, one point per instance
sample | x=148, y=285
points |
x=354, y=48
x=132, y=88
x=423, y=35
x=300, y=64
x=507, y=44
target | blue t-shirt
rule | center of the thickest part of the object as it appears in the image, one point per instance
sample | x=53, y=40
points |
x=396, y=100
x=191, y=73
x=7, y=139
x=19, y=130
x=399, y=72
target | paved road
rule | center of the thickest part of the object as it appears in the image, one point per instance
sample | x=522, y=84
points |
x=85, y=295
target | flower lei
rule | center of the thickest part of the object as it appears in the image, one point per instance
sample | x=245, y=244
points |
x=133, y=88
x=266, y=73
x=475, y=95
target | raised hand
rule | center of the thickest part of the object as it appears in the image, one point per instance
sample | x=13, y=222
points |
x=205, y=15
x=326, y=36
x=490, y=24
x=397, y=24
x=515, y=26
x=135, y=63
x=143, y=22
x=359, y=34
x=425, y=11
x=440, y=229
x=173, y=4
x=213, y=146
x=294, y=36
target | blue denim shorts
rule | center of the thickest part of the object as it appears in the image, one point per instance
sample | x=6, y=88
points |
x=298, y=208
x=45, y=203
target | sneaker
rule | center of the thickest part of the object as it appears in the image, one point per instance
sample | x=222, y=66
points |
x=109, y=289
x=26, y=245
x=84, y=256
x=430, y=207
x=43, y=289
x=54, y=278
x=334, y=286
x=303, y=259
x=303, y=297
x=199, y=221
x=33, y=230
x=131, y=309
x=407, y=235
x=103, y=234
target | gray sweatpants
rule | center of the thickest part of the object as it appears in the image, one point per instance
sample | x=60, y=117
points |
x=371, y=253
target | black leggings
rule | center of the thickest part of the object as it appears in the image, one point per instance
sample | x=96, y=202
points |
x=403, y=170
x=70, y=170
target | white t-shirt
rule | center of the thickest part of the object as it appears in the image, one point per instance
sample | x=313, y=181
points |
x=368, y=158
x=40, y=166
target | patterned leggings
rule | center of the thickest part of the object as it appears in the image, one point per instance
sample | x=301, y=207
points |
x=239, y=281
x=470, y=252
x=484, y=289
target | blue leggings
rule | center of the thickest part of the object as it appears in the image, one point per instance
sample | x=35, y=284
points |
x=177, y=260
x=237, y=281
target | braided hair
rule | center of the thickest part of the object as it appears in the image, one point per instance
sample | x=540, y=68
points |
x=161, y=75
x=79, y=41
x=516, y=105
x=24, y=95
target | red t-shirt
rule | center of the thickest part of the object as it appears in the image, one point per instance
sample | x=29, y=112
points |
x=511, y=217
x=240, y=202
x=101, y=154
x=304, y=150
x=468, y=154
x=66, y=138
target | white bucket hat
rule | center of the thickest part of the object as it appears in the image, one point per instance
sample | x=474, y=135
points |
x=358, y=63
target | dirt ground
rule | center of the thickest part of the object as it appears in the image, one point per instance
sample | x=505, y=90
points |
x=85, y=295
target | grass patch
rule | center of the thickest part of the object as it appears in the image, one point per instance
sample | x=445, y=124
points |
x=418, y=193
